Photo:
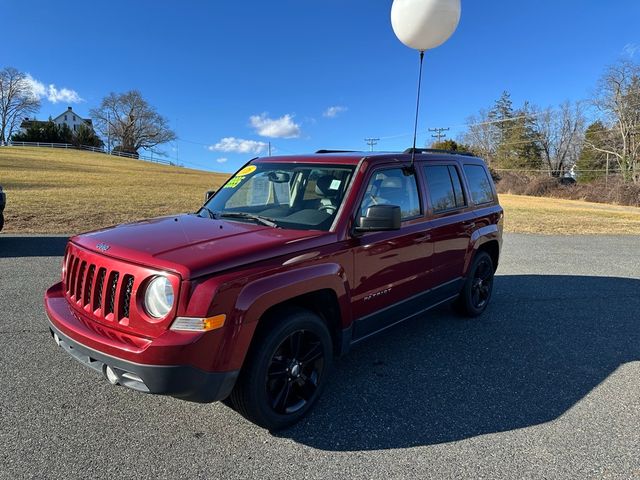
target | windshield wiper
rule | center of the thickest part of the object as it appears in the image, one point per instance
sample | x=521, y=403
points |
x=250, y=216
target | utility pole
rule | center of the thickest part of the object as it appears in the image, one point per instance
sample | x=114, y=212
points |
x=269, y=148
x=372, y=142
x=439, y=133
x=109, y=133
x=606, y=175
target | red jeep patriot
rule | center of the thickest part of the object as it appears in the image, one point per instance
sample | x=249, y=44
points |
x=294, y=260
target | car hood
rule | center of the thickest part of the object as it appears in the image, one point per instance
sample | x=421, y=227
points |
x=194, y=246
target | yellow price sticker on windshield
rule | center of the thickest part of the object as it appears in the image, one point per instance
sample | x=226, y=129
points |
x=246, y=171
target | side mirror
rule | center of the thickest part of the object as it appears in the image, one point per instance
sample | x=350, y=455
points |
x=380, y=218
x=208, y=195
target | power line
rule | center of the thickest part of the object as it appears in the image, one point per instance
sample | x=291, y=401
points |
x=372, y=142
x=439, y=133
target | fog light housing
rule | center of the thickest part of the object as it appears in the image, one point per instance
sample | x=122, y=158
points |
x=112, y=376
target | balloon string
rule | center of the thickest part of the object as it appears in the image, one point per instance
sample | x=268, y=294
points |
x=415, y=127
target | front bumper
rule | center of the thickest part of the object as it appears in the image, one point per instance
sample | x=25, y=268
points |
x=163, y=368
x=185, y=382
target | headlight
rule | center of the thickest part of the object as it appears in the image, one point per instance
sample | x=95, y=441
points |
x=158, y=299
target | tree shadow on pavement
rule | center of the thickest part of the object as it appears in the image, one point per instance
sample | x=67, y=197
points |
x=544, y=343
x=32, y=246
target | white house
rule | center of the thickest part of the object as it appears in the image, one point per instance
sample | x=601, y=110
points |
x=72, y=120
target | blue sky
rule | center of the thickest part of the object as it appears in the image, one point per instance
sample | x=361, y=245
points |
x=254, y=71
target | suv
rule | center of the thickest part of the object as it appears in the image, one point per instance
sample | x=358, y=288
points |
x=3, y=203
x=292, y=262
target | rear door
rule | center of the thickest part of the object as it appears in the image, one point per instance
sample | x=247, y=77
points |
x=450, y=224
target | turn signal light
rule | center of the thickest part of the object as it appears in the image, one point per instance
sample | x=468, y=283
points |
x=191, y=324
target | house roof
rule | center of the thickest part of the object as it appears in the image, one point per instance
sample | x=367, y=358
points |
x=70, y=111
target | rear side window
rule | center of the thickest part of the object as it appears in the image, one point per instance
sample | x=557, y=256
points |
x=479, y=184
x=445, y=187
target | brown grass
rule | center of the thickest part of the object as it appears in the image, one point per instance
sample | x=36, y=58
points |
x=567, y=217
x=67, y=191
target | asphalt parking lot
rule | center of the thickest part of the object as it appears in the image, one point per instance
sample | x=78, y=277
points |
x=545, y=385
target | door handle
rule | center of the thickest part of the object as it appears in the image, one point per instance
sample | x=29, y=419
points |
x=422, y=237
x=469, y=225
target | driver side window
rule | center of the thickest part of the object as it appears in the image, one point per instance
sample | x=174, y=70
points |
x=393, y=187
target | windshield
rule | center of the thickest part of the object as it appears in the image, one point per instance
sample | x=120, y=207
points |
x=286, y=195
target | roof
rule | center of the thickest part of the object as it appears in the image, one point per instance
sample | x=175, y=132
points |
x=353, y=158
x=71, y=112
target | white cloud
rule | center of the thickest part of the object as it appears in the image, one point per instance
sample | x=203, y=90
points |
x=238, y=145
x=38, y=88
x=333, y=112
x=283, y=127
x=62, y=95
x=630, y=49
x=222, y=160
x=52, y=93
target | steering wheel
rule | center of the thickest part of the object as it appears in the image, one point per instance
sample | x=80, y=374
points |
x=328, y=209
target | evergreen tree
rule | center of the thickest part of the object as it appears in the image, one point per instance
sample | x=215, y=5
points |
x=517, y=145
x=452, y=146
x=45, y=132
x=592, y=164
x=85, y=136
x=502, y=115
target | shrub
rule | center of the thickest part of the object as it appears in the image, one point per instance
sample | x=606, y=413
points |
x=615, y=190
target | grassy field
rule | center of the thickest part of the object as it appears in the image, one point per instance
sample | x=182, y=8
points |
x=567, y=217
x=67, y=191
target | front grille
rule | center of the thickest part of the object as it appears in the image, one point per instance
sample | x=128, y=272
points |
x=103, y=293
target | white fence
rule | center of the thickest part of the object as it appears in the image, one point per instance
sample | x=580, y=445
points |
x=92, y=149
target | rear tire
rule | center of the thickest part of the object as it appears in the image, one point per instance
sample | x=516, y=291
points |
x=285, y=371
x=476, y=292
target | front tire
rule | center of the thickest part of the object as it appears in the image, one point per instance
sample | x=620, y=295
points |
x=286, y=371
x=476, y=292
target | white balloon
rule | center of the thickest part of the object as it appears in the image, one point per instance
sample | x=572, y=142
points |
x=425, y=24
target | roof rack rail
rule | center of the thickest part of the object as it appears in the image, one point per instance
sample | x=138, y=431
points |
x=337, y=151
x=437, y=150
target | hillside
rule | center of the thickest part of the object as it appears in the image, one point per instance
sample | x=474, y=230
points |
x=69, y=191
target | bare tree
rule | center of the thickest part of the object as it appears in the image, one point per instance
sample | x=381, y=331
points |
x=618, y=100
x=129, y=120
x=560, y=134
x=17, y=101
x=482, y=135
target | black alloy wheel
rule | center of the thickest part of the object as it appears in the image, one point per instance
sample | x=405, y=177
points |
x=482, y=283
x=294, y=372
x=476, y=292
x=285, y=370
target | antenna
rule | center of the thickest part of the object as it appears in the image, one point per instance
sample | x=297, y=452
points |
x=415, y=127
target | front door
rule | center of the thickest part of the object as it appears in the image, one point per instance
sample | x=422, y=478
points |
x=390, y=267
